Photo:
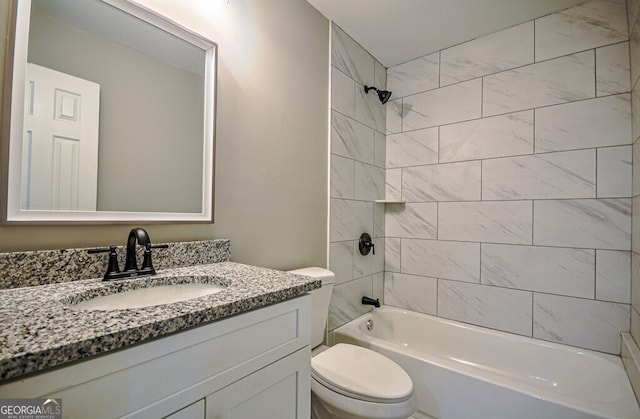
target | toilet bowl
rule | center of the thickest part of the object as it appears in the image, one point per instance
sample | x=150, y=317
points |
x=349, y=381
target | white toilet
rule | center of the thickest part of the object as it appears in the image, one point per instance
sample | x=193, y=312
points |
x=348, y=381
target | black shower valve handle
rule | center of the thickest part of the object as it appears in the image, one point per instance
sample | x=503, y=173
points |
x=366, y=245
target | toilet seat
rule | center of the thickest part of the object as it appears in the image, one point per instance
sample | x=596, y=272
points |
x=362, y=374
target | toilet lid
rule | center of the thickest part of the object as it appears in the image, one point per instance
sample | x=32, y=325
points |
x=362, y=374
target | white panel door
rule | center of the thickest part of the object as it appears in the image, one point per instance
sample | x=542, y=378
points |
x=60, y=145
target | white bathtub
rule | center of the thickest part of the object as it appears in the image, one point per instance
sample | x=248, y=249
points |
x=463, y=371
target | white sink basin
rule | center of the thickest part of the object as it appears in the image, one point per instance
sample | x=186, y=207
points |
x=152, y=296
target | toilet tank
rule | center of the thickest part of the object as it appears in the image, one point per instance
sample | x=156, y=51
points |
x=319, y=301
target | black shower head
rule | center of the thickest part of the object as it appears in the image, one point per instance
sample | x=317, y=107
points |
x=383, y=95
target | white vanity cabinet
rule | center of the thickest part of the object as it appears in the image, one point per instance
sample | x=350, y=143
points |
x=252, y=365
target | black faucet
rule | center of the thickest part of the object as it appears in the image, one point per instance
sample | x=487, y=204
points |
x=370, y=301
x=136, y=236
x=142, y=237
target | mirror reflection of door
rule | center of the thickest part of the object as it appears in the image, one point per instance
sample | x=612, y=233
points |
x=60, y=147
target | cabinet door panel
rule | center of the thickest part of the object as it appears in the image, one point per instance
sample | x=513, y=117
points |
x=192, y=411
x=279, y=391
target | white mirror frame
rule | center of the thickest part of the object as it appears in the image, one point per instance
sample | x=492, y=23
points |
x=12, y=136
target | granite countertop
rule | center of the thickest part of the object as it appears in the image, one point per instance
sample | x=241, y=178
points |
x=42, y=328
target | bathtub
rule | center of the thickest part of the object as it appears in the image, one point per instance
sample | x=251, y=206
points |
x=464, y=371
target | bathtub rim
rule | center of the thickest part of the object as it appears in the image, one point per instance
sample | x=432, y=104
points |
x=599, y=408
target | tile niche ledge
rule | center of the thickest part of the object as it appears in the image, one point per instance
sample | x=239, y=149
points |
x=389, y=201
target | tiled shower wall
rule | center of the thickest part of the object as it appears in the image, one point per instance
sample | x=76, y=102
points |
x=630, y=351
x=357, y=177
x=513, y=154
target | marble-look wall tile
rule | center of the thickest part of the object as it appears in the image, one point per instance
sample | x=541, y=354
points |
x=635, y=226
x=442, y=182
x=589, y=25
x=458, y=102
x=414, y=76
x=394, y=116
x=351, y=58
x=588, y=223
x=351, y=139
x=634, y=53
x=380, y=75
x=394, y=184
x=553, y=270
x=636, y=169
x=635, y=111
x=585, y=323
x=349, y=219
x=496, y=222
x=411, y=292
x=369, y=182
x=585, y=124
x=497, y=308
x=413, y=220
x=380, y=149
x=635, y=281
x=341, y=260
x=498, y=136
x=613, y=270
x=392, y=254
x=441, y=259
x=357, y=177
x=443, y=163
x=343, y=93
x=633, y=10
x=612, y=69
x=371, y=263
x=560, y=80
x=570, y=174
x=378, y=286
x=503, y=50
x=412, y=148
x=369, y=110
x=635, y=322
x=342, y=177
x=614, y=172
x=378, y=220
x=345, y=304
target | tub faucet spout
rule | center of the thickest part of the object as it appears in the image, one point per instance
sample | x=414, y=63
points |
x=371, y=301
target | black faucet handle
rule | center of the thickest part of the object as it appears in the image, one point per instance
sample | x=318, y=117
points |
x=147, y=264
x=113, y=267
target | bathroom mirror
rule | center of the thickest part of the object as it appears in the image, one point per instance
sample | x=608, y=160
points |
x=109, y=116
